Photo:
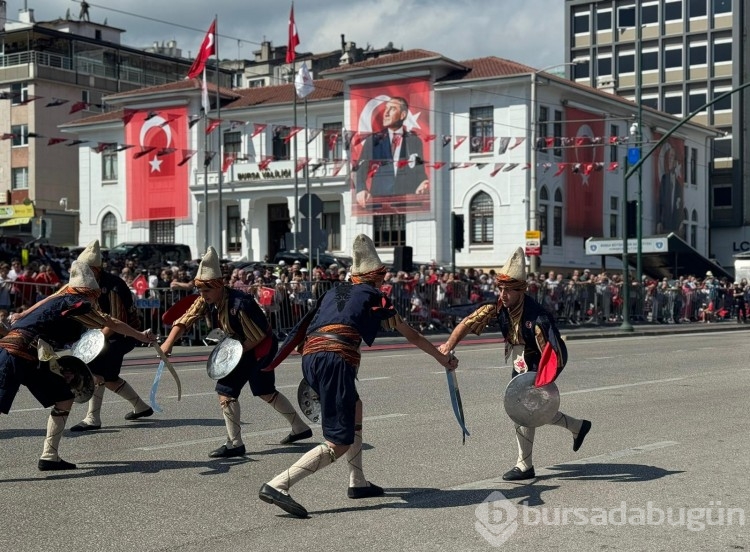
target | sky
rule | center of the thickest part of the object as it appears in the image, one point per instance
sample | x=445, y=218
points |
x=526, y=31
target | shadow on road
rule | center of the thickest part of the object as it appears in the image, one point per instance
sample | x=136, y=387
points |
x=529, y=493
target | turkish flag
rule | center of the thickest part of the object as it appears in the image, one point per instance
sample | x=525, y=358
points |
x=140, y=285
x=293, y=38
x=265, y=296
x=208, y=49
x=157, y=185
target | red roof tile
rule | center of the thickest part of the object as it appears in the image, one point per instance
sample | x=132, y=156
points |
x=187, y=84
x=284, y=93
x=390, y=59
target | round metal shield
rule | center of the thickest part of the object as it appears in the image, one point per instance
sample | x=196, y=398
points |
x=531, y=406
x=90, y=346
x=78, y=376
x=309, y=401
x=224, y=358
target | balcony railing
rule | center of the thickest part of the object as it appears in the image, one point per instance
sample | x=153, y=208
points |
x=83, y=66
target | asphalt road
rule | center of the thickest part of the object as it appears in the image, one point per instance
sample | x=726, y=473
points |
x=667, y=455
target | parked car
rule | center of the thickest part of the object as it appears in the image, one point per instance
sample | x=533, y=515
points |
x=150, y=254
x=319, y=259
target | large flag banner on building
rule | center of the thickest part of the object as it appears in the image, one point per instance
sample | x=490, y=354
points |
x=392, y=117
x=157, y=186
x=208, y=49
x=669, y=187
x=583, y=192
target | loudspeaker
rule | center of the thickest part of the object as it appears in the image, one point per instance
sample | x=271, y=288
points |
x=402, y=258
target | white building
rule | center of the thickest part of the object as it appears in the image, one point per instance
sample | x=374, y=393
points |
x=485, y=156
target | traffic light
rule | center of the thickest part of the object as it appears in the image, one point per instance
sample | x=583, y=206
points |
x=458, y=231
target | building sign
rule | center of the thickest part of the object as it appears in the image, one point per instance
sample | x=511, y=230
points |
x=533, y=243
x=602, y=246
x=14, y=215
x=16, y=211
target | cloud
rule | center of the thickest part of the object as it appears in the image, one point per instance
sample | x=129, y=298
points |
x=527, y=31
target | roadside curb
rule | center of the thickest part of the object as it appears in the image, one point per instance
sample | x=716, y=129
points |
x=568, y=334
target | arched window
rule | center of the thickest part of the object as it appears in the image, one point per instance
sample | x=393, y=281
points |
x=482, y=218
x=557, y=222
x=694, y=229
x=543, y=213
x=109, y=230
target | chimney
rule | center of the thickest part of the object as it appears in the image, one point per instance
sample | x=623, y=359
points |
x=607, y=84
x=3, y=15
x=26, y=16
x=343, y=43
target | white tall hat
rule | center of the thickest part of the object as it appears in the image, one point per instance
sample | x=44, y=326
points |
x=365, y=257
x=92, y=255
x=515, y=266
x=81, y=276
x=210, y=268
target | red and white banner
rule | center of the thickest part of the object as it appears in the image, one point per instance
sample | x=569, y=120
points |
x=157, y=185
x=208, y=49
x=391, y=118
x=585, y=188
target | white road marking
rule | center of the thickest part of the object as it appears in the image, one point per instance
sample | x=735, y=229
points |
x=600, y=459
x=256, y=434
x=623, y=386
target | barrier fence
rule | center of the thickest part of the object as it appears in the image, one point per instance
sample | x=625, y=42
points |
x=438, y=307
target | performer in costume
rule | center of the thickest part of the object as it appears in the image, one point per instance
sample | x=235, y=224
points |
x=347, y=315
x=532, y=342
x=60, y=320
x=240, y=317
x=115, y=299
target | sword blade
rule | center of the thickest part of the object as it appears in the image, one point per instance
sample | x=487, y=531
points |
x=165, y=359
x=155, y=387
x=458, y=409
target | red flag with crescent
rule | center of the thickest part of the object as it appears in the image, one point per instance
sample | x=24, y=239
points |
x=157, y=185
x=208, y=49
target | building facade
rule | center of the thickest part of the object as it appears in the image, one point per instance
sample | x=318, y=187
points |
x=692, y=52
x=51, y=73
x=504, y=147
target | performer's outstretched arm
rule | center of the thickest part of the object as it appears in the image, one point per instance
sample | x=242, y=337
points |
x=414, y=337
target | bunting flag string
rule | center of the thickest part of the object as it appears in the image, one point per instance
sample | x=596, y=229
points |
x=257, y=129
x=338, y=164
x=229, y=159
x=186, y=156
x=212, y=125
x=312, y=135
x=498, y=145
x=144, y=151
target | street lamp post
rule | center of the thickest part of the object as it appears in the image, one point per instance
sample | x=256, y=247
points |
x=531, y=148
x=639, y=137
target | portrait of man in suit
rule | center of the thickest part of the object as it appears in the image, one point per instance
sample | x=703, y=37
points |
x=671, y=205
x=391, y=161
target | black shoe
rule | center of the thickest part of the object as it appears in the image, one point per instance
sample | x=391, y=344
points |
x=294, y=437
x=136, y=415
x=51, y=465
x=83, y=426
x=282, y=500
x=516, y=474
x=578, y=441
x=224, y=452
x=365, y=492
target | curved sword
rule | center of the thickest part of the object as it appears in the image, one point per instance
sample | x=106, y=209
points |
x=157, y=378
x=165, y=359
x=155, y=386
x=458, y=409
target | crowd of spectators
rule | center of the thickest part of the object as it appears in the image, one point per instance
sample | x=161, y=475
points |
x=430, y=296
